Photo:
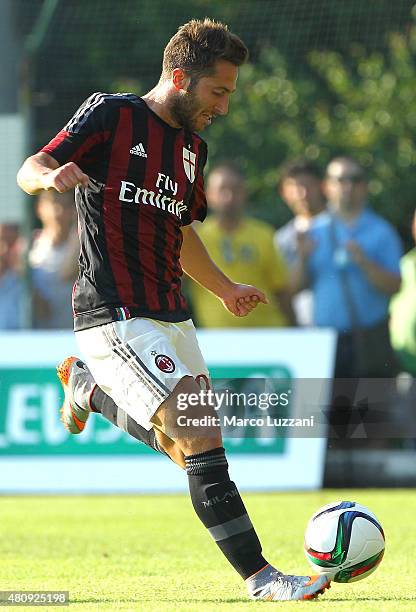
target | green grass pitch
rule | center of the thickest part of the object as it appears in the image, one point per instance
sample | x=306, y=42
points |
x=151, y=553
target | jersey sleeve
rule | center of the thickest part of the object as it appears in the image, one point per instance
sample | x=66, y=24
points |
x=198, y=203
x=90, y=126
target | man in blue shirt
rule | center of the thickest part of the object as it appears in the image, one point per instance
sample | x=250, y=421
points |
x=351, y=261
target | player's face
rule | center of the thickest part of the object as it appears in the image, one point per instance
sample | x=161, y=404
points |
x=345, y=186
x=197, y=106
x=303, y=194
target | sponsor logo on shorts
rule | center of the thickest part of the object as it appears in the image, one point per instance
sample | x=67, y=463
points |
x=165, y=364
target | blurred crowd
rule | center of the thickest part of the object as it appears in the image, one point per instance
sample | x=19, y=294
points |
x=337, y=263
x=46, y=266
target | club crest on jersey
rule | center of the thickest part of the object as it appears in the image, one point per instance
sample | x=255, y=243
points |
x=165, y=364
x=189, y=161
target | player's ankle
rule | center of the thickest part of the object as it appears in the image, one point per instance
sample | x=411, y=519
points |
x=83, y=386
x=92, y=399
x=252, y=577
x=260, y=579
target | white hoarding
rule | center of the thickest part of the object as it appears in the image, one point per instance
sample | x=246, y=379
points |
x=38, y=455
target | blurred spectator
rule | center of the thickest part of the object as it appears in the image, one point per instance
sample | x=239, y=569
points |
x=53, y=259
x=403, y=312
x=11, y=286
x=300, y=186
x=243, y=248
x=351, y=261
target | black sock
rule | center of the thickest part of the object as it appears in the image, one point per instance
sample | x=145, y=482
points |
x=218, y=504
x=105, y=405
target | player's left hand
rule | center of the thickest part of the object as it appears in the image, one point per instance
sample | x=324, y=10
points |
x=242, y=299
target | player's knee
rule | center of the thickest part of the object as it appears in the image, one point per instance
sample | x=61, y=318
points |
x=190, y=398
x=198, y=418
x=190, y=418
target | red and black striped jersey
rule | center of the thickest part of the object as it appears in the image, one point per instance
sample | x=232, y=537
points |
x=146, y=182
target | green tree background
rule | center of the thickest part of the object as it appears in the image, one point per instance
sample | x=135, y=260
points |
x=326, y=77
x=361, y=104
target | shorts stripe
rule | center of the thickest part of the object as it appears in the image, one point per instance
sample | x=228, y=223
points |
x=146, y=369
x=153, y=390
x=128, y=349
x=126, y=354
x=119, y=350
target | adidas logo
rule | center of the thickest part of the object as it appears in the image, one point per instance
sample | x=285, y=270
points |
x=138, y=150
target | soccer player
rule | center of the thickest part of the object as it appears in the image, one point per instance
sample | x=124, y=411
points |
x=137, y=165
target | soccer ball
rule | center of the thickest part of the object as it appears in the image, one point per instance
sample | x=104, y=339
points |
x=345, y=540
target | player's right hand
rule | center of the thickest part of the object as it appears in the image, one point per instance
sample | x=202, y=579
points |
x=241, y=299
x=64, y=178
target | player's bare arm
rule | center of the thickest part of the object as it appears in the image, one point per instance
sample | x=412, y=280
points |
x=195, y=260
x=42, y=171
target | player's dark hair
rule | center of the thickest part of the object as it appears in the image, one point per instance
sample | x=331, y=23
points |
x=198, y=45
x=299, y=167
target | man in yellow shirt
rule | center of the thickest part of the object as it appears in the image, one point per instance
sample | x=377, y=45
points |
x=243, y=247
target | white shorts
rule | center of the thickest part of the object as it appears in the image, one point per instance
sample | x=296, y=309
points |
x=139, y=362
